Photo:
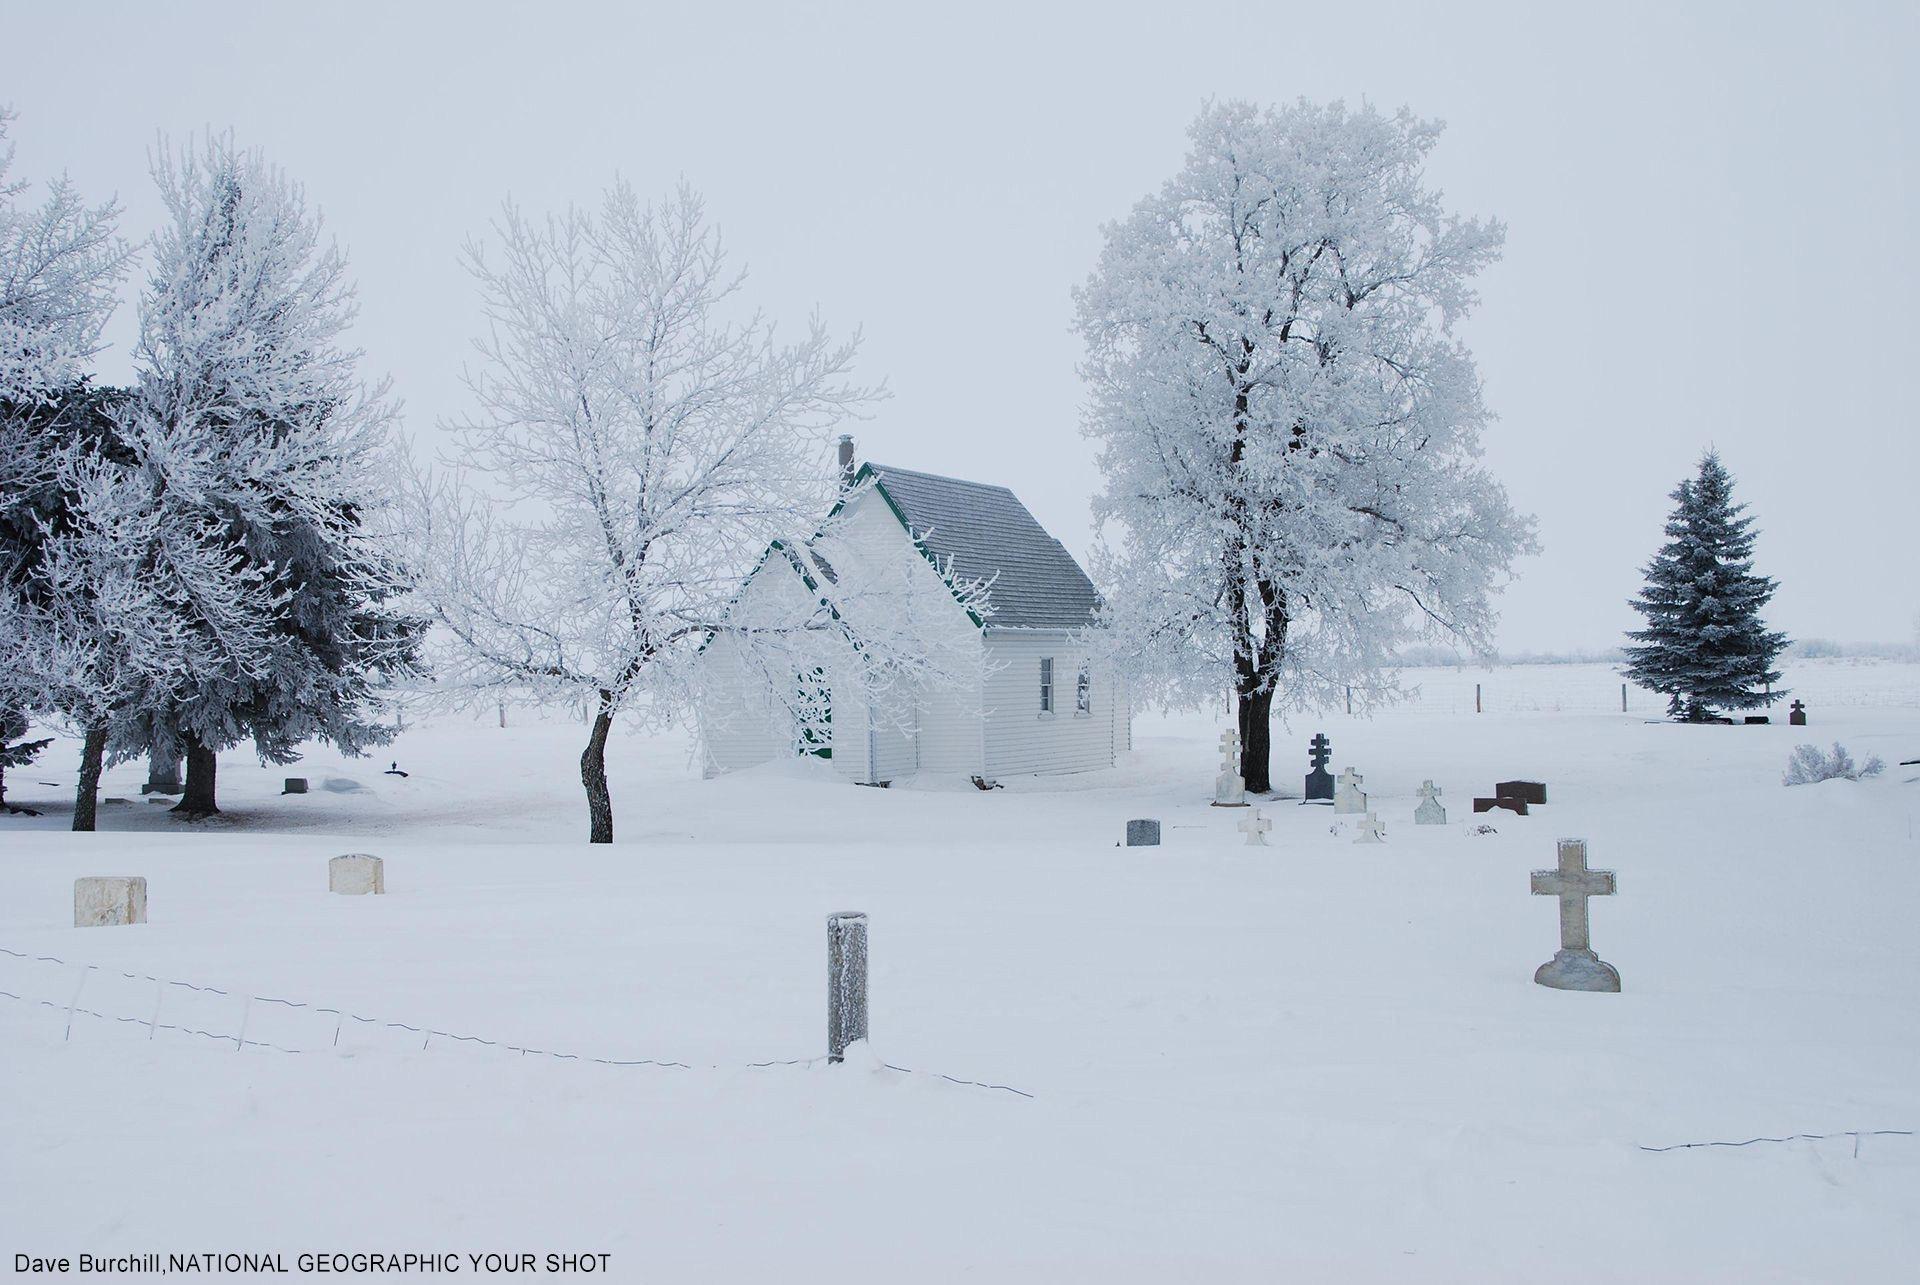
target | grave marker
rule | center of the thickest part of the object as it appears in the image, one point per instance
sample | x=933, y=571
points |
x=1516, y=806
x=105, y=901
x=357, y=874
x=1371, y=830
x=1349, y=798
x=1143, y=834
x=1797, y=715
x=1574, y=967
x=1319, y=780
x=1532, y=792
x=1229, y=788
x=1255, y=827
x=1430, y=811
x=295, y=785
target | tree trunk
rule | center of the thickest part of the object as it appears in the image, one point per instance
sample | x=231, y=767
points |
x=593, y=774
x=198, y=800
x=163, y=773
x=86, y=798
x=1256, y=740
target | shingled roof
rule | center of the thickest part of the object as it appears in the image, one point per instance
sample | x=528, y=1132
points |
x=988, y=534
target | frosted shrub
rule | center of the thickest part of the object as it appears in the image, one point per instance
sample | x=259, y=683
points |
x=1810, y=763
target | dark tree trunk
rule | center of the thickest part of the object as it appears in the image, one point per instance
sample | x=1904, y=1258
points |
x=86, y=798
x=163, y=773
x=1256, y=740
x=593, y=774
x=198, y=800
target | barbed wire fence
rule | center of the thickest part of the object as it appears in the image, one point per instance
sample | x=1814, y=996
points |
x=240, y=1040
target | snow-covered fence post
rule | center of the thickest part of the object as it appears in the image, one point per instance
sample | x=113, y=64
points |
x=1476, y=698
x=846, y=982
x=1623, y=698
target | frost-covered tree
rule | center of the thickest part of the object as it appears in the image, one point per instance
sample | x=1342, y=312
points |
x=639, y=440
x=251, y=419
x=61, y=263
x=1705, y=646
x=1288, y=426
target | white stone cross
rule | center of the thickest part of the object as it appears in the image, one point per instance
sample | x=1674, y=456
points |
x=1429, y=812
x=1230, y=751
x=1371, y=829
x=1348, y=797
x=1255, y=827
x=1574, y=966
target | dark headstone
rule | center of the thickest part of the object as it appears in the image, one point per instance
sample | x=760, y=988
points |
x=295, y=785
x=1757, y=720
x=1319, y=781
x=1143, y=834
x=1516, y=806
x=1526, y=791
x=1797, y=715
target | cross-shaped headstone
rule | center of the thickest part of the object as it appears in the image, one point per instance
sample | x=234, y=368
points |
x=1229, y=788
x=1319, y=780
x=1371, y=830
x=1574, y=967
x=1797, y=714
x=1349, y=797
x=1430, y=812
x=1255, y=827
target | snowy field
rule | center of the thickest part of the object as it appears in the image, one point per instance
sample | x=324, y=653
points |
x=1316, y=1061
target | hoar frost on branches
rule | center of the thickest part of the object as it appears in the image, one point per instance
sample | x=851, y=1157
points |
x=1288, y=427
x=639, y=442
x=61, y=263
x=270, y=460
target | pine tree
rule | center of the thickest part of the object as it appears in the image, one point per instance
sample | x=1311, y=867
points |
x=250, y=415
x=1705, y=646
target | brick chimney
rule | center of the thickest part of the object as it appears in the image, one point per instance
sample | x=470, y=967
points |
x=847, y=466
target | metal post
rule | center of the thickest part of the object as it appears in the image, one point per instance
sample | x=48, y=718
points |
x=1623, y=698
x=1476, y=698
x=846, y=982
x=1349, y=700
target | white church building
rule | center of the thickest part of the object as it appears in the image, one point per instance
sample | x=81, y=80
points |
x=1031, y=700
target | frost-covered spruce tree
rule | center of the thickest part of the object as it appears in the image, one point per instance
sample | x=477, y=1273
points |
x=1288, y=426
x=252, y=418
x=639, y=441
x=1705, y=646
x=61, y=263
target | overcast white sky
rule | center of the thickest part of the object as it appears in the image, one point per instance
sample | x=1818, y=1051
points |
x=1712, y=217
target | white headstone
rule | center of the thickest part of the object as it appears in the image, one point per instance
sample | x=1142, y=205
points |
x=1255, y=827
x=1371, y=830
x=1348, y=797
x=356, y=873
x=103, y=900
x=1229, y=788
x=1574, y=967
x=1429, y=812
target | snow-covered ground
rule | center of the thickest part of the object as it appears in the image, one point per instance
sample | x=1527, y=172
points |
x=1314, y=1061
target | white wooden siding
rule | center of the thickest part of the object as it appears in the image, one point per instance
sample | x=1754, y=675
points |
x=1020, y=739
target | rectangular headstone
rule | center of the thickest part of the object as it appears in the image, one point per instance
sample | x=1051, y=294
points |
x=1143, y=834
x=1516, y=806
x=356, y=873
x=295, y=785
x=1528, y=791
x=104, y=900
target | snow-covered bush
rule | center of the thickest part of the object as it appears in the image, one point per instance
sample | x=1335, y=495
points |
x=1810, y=764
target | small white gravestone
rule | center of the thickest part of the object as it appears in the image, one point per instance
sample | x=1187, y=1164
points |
x=1255, y=827
x=1574, y=967
x=103, y=900
x=1429, y=812
x=356, y=873
x=1230, y=788
x=1348, y=797
x=1371, y=830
